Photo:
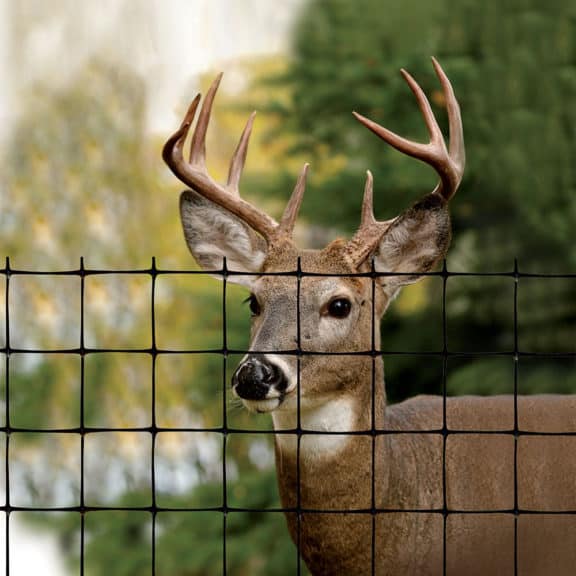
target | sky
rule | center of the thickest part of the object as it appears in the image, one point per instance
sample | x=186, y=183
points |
x=168, y=43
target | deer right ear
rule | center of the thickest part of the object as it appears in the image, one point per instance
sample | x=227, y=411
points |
x=414, y=243
x=213, y=234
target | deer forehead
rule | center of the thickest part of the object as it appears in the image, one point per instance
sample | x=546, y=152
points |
x=332, y=261
x=311, y=291
x=291, y=314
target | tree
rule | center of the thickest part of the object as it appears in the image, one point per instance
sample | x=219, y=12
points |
x=514, y=73
x=82, y=183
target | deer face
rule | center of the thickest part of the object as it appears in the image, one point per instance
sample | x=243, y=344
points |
x=307, y=330
x=324, y=317
x=329, y=317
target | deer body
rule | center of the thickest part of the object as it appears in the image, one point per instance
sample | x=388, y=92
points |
x=371, y=481
x=408, y=475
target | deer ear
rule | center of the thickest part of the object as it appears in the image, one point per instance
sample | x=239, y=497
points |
x=414, y=242
x=213, y=234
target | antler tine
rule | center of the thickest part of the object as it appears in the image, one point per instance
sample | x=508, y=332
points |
x=290, y=214
x=198, y=145
x=367, y=218
x=456, y=132
x=448, y=165
x=194, y=173
x=172, y=150
x=370, y=230
x=424, y=105
x=239, y=158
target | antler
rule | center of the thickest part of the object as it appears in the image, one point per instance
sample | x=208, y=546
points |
x=448, y=163
x=195, y=174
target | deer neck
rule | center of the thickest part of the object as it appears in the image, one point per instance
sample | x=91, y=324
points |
x=326, y=424
x=333, y=472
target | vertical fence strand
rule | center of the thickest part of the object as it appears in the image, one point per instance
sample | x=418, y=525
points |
x=82, y=417
x=224, y=416
x=7, y=407
x=444, y=419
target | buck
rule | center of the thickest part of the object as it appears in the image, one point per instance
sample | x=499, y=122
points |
x=370, y=488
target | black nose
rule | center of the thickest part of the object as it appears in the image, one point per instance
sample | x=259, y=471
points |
x=255, y=377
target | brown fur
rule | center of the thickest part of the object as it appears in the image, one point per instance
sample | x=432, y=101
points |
x=408, y=475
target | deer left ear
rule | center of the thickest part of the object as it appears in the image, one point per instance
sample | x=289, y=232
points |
x=414, y=243
x=213, y=234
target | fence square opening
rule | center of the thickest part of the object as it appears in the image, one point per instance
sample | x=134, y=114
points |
x=547, y=473
x=480, y=471
x=480, y=544
x=118, y=390
x=44, y=312
x=408, y=375
x=544, y=559
x=44, y=469
x=45, y=391
x=547, y=315
x=556, y=377
x=255, y=544
x=188, y=468
x=391, y=528
x=413, y=322
x=118, y=469
x=188, y=311
x=484, y=378
x=119, y=539
x=189, y=390
x=477, y=309
x=547, y=375
x=250, y=472
x=409, y=450
x=190, y=543
x=118, y=311
x=62, y=555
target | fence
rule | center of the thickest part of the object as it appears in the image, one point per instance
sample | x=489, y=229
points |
x=84, y=430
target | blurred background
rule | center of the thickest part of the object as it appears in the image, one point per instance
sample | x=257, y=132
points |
x=89, y=93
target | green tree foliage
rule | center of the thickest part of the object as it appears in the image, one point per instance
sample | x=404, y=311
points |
x=513, y=66
x=85, y=180
x=187, y=543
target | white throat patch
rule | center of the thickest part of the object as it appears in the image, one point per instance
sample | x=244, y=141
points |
x=336, y=416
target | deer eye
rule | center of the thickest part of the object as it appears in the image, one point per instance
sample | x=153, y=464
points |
x=339, y=308
x=253, y=304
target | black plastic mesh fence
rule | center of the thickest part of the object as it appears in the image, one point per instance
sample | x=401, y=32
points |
x=225, y=430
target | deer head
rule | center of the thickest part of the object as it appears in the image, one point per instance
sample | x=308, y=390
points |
x=334, y=310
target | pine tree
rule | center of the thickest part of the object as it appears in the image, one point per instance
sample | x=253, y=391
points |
x=513, y=66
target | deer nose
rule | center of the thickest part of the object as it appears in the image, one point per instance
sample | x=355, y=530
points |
x=256, y=377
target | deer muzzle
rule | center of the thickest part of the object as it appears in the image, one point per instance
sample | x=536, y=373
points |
x=257, y=379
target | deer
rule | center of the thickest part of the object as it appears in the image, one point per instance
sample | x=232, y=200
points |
x=432, y=485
